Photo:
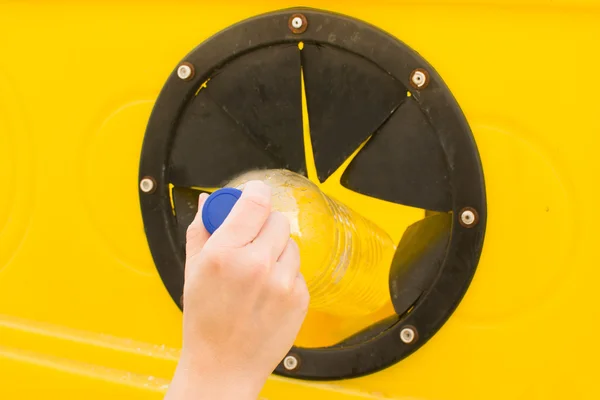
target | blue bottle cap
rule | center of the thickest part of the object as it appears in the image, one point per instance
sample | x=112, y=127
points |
x=218, y=206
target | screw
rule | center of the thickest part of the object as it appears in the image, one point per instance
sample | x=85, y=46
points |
x=147, y=184
x=185, y=71
x=419, y=78
x=468, y=217
x=408, y=334
x=297, y=23
x=290, y=363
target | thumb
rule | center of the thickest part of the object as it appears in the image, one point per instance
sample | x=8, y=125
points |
x=197, y=235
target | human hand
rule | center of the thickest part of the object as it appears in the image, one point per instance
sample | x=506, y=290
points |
x=244, y=300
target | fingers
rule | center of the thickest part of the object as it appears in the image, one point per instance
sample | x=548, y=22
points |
x=274, y=235
x=286, y=269
x=196, y=235
x=247, y=217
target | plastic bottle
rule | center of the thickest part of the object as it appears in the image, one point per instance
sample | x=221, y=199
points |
x=345, y=258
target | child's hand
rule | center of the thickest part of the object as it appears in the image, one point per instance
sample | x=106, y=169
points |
x=244, y=301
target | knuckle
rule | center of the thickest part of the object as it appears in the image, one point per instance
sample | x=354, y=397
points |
x=216, y=256
x=281, y=289
x=292, y=255
x=259, y=263
x=258, y=201
x=281, y=221
x=256, y=259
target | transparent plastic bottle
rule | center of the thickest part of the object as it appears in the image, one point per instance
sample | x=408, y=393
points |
x=345, y=258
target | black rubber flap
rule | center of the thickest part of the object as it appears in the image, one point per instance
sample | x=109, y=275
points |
x=262, y=91
x=403, y=162
x=348, y=98
x=185, y=202
x=210, y=147
x=418, y=258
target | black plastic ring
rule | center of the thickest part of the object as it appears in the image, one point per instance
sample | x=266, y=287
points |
x=444, y=114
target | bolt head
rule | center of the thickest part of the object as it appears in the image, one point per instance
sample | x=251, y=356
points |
x=297, y=22
x=408, y=335
x=419, y=78
x=468, y=217
x=185, y=72
x=290, y=363
x=147, y=185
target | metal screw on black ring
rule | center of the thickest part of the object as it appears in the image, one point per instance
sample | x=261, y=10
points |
x=147, y=184
x=185, y=71
x=298, y=23
x=469, y=217
x=419, y=78
x=408, y=334
x=291, y=362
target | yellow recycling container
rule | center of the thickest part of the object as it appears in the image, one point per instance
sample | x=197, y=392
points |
x=88, y=295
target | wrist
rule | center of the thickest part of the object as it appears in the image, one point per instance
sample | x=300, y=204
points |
x=198, y=381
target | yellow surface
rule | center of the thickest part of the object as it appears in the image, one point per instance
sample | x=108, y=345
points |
x=83, y=313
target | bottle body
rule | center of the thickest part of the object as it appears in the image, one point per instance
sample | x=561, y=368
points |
x=345, y=258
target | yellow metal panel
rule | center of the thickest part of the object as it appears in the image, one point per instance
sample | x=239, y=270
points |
x=83, y=312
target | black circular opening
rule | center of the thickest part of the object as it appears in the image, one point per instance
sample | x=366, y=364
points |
x=243, y=104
